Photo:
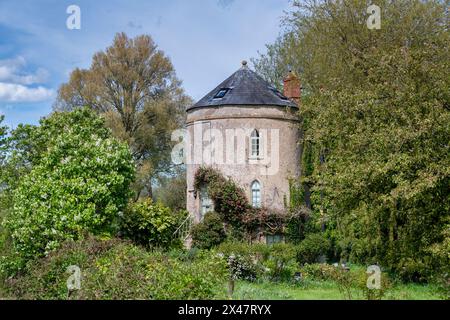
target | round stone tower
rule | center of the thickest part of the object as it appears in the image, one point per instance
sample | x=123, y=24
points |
x=249, y=131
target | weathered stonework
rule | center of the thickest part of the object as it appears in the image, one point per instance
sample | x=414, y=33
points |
x=276, y=122
x=274, y=186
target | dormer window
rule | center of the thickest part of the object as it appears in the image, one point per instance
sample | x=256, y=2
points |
x=221, y=93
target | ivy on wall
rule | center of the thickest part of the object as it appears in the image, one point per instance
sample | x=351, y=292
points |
x=231, y=203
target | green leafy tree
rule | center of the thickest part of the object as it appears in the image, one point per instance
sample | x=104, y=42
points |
x=172, y=190
x=376, y=125
x=3, y=131
x=3, y=195
x=133, y=85
x=78, y=181
x=151, y=224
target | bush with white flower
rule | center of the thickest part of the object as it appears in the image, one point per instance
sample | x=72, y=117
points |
x=78, y=182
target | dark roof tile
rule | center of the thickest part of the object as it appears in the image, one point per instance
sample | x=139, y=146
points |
x=246, y=88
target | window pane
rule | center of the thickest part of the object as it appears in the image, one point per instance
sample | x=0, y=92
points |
x=254, y=143
x=256, y=194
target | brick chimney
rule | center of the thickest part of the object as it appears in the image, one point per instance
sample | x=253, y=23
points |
x=292, y=87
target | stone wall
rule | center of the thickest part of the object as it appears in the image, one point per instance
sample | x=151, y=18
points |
x=279, y=161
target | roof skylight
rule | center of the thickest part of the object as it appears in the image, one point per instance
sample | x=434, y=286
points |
x=221, y=93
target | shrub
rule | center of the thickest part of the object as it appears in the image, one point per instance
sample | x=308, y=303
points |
x=281, y=262
x=208, y=233
x=151, y=224
x=244, y=260
x=201, y=278
x=361, y=278
x=317, y=271
x=313, y=247
x=79, y=181
x=117, y=269
x=242, y=267
x=345, y=281
x=252, y=261
x=443, y=285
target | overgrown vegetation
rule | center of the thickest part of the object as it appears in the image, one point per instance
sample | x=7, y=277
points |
x=116, y=269
x=71, y=177
x=241, y=220
x=374, y=188
x=375, y=111
x=151, y=224
x=209, y=233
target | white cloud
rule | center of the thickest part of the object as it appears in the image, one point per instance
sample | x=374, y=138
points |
x=12, y=92
x=15, y=83
x=11, y=71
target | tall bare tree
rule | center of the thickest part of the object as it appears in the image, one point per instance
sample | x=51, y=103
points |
x=134, y=86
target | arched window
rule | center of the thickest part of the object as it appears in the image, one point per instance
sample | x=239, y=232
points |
x=254, y=143
x=256, y=194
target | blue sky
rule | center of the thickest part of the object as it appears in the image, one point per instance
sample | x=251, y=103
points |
x=205, y=39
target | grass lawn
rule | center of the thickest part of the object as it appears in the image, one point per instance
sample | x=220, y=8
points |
x=324, y=290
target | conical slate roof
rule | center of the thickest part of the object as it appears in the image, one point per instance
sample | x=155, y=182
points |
x=244, y=87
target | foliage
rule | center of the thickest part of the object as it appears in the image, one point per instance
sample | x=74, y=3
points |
x=242, y=267
x=208, y=233
x=202, y=278
x=443, y=286
x=133, y=85
x=78, y=181
x=229, y=199
x=298, y=224
x=317, y=271
x=347, y=280
x=255, y=261
x=116, y=269
x=4, y=197
x=172, y=191
x=97, y=260
x=372, y=293
x=151, y=224
x=244, y=260
x=324, y=290
x=231, y=203
x=270, y=221
x=375, y=113
x=312, y=248
x=3, y=131
x=281, y=262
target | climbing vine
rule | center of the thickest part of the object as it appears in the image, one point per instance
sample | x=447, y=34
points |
x=231, y=203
